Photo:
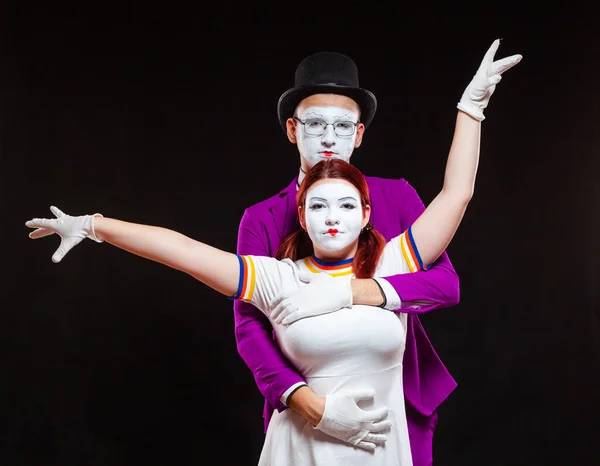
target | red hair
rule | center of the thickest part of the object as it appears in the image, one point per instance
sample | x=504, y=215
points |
x=297, y=244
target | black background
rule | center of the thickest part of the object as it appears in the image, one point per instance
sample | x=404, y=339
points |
x=166, y=115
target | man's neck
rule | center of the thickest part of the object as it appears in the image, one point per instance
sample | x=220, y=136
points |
x=301, y=176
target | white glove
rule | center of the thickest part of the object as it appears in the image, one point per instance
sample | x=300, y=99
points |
x=477, y=95
x=346, y=421
x=72, y=230
x=324, y=294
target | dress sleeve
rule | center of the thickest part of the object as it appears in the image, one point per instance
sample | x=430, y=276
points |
x=262, y=279
x=401, y=255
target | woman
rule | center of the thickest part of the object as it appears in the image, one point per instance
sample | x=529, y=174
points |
x=350, y=349
x=356, y=347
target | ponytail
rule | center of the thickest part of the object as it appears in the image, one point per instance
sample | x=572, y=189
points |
x=370, y=248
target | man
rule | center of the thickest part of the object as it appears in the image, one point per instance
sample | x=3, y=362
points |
x=329, y=82
x=326, y=114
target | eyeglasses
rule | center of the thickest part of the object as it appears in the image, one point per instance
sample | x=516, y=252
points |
x=316, y=127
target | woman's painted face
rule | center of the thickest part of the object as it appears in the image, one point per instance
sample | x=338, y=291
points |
x=333, y=215
x=314, y=148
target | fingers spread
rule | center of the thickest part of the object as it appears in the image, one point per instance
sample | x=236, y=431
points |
x=56, y=211
x=507, y=63
x=40, y=223
x=40, y=233
x=58, y=255
x=66, y=245
x=489, y=55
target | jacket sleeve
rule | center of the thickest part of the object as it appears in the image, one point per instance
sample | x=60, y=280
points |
x=436, y=288
x=273, y=373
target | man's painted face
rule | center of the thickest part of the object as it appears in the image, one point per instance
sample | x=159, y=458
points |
x=328, y=145
x=333, y=215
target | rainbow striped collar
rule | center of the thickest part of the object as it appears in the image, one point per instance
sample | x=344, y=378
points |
x=335, y=269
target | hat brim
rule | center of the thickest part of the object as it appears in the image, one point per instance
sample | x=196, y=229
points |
x=290, y=99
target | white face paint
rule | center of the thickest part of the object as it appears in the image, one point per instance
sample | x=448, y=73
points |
x=333, y=215
x=328, y=145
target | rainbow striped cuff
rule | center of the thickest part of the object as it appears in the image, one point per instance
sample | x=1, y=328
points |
x=247, y=281
x=410, y=252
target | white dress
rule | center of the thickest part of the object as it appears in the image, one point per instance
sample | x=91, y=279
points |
x=360, y=347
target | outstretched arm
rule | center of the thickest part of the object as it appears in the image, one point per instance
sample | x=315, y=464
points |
x=337, y=415
x=432, y=228
x=436, y=227
x=216, y=268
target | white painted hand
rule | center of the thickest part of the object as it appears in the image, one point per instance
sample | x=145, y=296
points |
x=324, y=294
x=346, y=421
x=477, y=95
x=72, y=230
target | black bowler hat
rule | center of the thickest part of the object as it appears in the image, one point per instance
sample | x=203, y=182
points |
x=328, y=73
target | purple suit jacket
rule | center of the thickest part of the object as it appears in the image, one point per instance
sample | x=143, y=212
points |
x=395, y=207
